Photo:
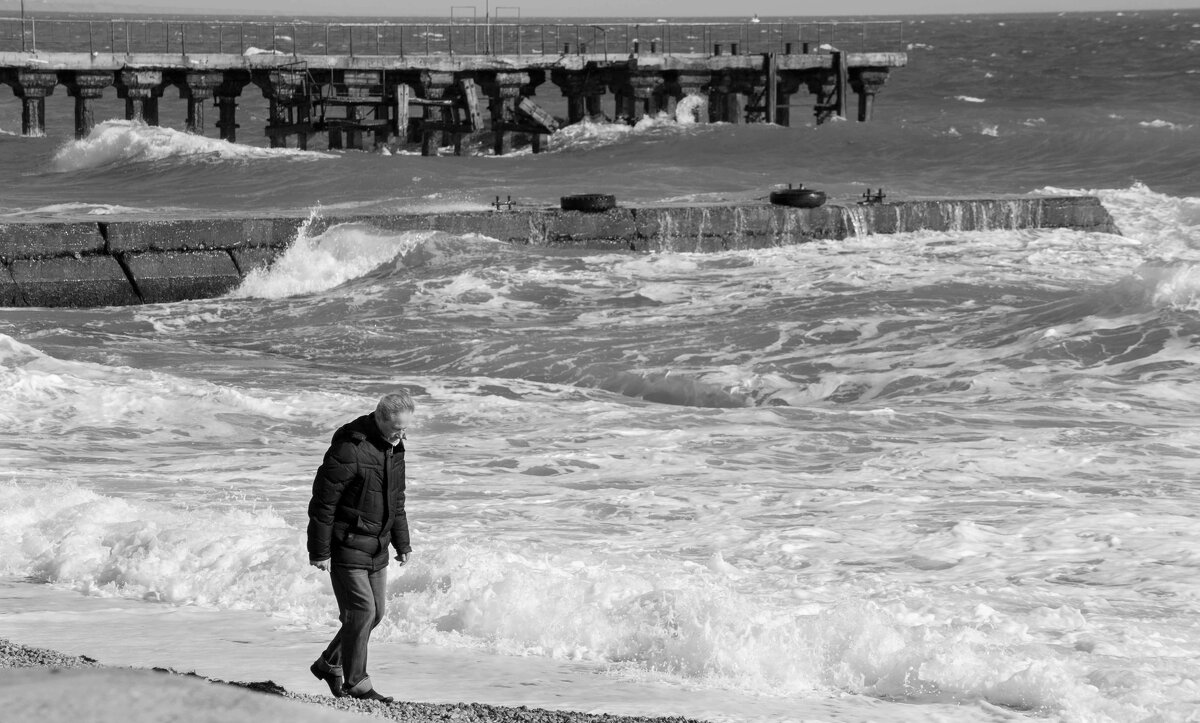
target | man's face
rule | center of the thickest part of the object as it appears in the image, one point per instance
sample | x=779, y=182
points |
x=393, y=429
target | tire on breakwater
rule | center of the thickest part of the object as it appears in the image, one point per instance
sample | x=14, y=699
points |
x=589, y=202
x=798, y=197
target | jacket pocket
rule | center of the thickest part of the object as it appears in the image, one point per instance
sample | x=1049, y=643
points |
x=362, y=543
x=368, y=527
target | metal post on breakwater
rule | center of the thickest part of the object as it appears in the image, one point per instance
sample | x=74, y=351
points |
x=350, y=80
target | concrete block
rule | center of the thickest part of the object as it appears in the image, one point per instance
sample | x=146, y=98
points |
x=1084, y=213
x=256, y=257
x=524, y=226
x=758, y=220
x=398, y=222
x=617, y=224
x=35, y=240
x=10, y=293
x=198, y=234
x=669, y=224
x=270, y=231
x=70, y=281
x=175, y=276
x=598, y=244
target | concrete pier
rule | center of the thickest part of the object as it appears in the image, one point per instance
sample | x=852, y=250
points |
x=355, y=97
x=117, y=262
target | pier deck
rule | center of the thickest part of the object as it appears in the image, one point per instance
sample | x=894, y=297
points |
x=744, y=75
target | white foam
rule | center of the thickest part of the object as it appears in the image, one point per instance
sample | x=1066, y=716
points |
x=969, y=99
x=61, y=210
x=1168, y=125
x=326, y=260
x=117, y=141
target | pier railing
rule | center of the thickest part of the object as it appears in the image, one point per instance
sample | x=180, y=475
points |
x=184, y=37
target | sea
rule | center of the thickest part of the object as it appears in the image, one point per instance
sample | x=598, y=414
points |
x=930, y=476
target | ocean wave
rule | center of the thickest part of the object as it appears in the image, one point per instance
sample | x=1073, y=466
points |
x=42, y=394
x=345, y=251
x=119, y=142
x=1170, y=224
x=683, y=620
x=592, y=134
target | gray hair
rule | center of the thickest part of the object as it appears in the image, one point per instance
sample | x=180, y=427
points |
x=391, y=405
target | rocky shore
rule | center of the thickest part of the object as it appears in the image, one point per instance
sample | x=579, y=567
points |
x=31, y=661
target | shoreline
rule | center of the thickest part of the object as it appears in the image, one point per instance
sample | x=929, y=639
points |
x=43, y=663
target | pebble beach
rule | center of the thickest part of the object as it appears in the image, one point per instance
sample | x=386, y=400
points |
x=37, y=669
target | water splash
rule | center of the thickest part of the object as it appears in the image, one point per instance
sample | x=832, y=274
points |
x=116, y=142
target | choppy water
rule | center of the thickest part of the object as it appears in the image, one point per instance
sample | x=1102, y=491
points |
x=922, y=470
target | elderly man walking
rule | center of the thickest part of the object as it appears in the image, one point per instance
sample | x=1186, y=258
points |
x=357, y=509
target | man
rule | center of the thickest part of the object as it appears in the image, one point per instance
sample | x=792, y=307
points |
x=357, y=508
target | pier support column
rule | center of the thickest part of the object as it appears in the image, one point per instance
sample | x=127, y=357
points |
x=32, y=87
x=504, y=93
x=363, y=97
x=141, y=90
x=226, y=95
x=584, y=94
x=227, y=117
x=85, y=86
x=866, y=82
x=638, y=94
x=726, y=99
x=198, y=89
x=691, y=84
x=287, y=107
x=433, y=86
x=789, y=84
x=825, y=87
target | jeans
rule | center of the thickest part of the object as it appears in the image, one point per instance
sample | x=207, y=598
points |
x=360, y=602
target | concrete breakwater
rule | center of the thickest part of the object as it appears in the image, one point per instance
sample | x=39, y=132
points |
x=118, y=261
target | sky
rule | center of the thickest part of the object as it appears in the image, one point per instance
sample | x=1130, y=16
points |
x=592, y=8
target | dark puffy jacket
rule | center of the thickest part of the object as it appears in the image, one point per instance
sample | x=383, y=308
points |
x=358, y=499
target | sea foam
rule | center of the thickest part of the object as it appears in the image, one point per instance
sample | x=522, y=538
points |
x=117, y=141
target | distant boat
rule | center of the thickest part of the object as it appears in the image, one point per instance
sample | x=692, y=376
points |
x=755, y=19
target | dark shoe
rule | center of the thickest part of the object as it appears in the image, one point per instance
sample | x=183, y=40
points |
x=333, y=680
x=371, y=694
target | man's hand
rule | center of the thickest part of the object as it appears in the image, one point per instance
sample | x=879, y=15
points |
x=320, y=564
x=402, y=558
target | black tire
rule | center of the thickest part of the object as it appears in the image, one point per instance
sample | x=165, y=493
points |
x=589, y=202
x=798, y=197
